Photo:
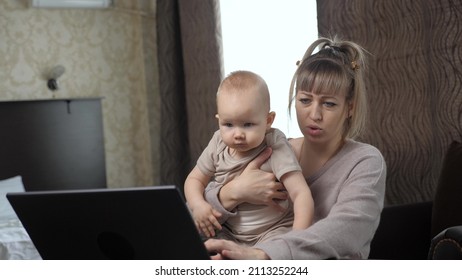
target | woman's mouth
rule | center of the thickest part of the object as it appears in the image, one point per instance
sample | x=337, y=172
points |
x=314, y=130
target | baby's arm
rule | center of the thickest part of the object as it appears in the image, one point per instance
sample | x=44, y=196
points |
x=203, y=213
x=300, y=194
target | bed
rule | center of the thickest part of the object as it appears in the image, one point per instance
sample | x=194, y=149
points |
x=15, y=243
x=53, y=144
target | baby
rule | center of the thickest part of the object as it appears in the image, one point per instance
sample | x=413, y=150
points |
x=245, y=120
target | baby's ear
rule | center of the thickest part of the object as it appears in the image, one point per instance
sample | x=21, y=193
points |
x=270, y=119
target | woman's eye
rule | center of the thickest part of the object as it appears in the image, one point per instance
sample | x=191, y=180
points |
x=304, y=100
x=329, y=104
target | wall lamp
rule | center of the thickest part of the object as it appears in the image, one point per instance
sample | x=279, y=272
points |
x=55, y=73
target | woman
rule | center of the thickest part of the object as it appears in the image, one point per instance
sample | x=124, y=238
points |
x=346, y=177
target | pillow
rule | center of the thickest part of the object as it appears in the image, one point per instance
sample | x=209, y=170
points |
x=448, y=196
x=6, y=186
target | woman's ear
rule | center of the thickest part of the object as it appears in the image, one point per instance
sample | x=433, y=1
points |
x=350, y=109
x=270, y=119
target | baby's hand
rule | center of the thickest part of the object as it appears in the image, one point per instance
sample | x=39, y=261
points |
x=205, y=218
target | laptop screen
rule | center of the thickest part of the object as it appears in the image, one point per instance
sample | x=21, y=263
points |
x=131, y=223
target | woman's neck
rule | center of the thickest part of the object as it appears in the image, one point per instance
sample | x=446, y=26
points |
x=313, y=156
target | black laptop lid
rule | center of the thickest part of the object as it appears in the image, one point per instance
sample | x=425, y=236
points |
x=133, y=223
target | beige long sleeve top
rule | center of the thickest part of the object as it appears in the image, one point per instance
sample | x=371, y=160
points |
x=348, y=193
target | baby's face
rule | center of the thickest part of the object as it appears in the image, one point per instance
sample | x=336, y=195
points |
x=243, y=121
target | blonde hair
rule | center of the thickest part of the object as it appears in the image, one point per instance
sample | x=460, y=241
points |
x=242, y=81
x=337, y=67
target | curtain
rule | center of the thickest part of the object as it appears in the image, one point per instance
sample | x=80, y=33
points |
x=189, y=51
x=413, y=82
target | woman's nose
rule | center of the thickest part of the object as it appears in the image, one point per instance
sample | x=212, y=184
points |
x=316, y=112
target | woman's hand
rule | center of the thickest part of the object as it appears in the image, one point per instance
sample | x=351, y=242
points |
x=228, y=250
x=254, y=186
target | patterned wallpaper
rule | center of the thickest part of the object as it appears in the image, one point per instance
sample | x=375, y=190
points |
x=414, y=84
x=104, y=53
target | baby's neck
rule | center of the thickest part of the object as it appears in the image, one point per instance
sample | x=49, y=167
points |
x=239, y=155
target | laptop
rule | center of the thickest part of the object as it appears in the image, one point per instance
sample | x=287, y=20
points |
x=139, y=223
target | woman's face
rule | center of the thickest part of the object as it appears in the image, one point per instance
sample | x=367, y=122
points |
x=321, y=117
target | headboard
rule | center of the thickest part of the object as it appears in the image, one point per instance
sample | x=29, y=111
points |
x=53, y=144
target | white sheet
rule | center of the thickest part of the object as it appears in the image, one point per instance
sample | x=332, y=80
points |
x=15, y=243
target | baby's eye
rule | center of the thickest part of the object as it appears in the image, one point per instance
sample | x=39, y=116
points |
x=228, y=124
x=248, y=124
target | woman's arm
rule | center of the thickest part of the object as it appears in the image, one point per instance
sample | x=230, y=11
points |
x=348, y=228
x=253, y=186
